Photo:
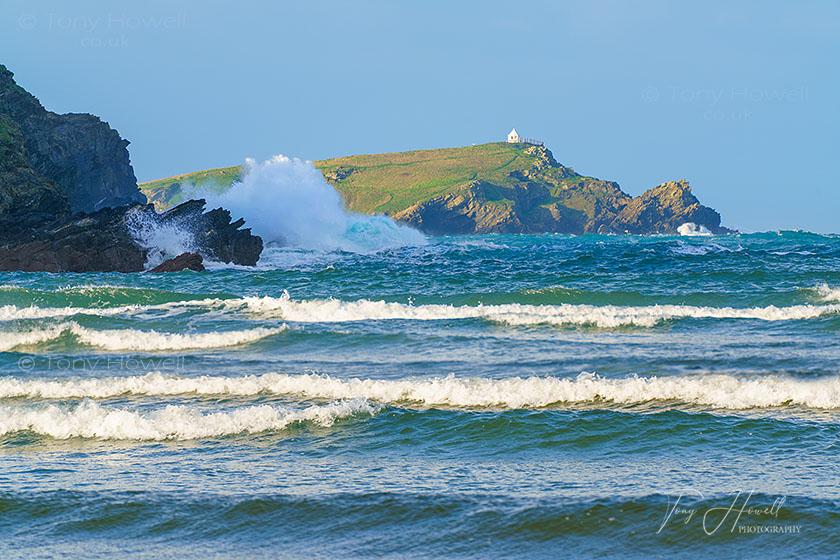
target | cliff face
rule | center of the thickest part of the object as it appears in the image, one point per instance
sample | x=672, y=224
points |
x=69, y=200
x=84, y=156
x=25, y=194
x=552, y=198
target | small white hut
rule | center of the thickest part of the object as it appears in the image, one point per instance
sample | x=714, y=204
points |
x=514, y=138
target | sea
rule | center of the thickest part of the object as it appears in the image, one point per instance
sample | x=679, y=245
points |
x=488, y=396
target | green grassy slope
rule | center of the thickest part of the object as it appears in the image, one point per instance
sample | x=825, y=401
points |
x=389, y=183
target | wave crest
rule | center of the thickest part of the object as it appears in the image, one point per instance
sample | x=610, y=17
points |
x=717, y=390
x=333, y=310
x=133, y=339
x=91, y=420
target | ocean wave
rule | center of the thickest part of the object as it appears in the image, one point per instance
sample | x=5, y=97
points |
x=10, y=340
x=133, y=339
x=828, y=293
x=92, y=420
x=701, y=249
x=690, y=229
x=340, y=311
x=13, y=312
x=715, y=390
x=333, y=310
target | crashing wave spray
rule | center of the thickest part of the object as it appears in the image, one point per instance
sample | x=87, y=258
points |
x=690, y=229
x=286, y=201
x=162, y=241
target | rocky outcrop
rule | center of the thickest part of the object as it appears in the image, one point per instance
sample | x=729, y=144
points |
x=68, y=199
x=663, y=209
x=80, y=153
x=471, y=210
x=592, y=207
x=213, y=233
x=114, y=240
x=551, y=198
x=184, y=261
x=97, y=242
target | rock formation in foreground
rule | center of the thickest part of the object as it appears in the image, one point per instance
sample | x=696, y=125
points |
x=184, y=261
x=112, y=240
x=69, y=200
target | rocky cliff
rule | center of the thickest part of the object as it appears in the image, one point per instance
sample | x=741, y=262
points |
x=83, y=155
x=69, y=201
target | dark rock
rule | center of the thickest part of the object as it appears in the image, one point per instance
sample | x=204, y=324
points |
x=109, y=240
x=68, y=198
x=98, y=242
x=26, y=196
x=184, y=261
x=214, y=234
x=80, y=153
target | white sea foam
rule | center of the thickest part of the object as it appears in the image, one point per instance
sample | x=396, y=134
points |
x=827, y=293
x=162, y=241
x=132, y=339
x=713, y=390
x=11, y=340
x=691, y=229
x=333, y=310
x=92, y=420
x=13, y=312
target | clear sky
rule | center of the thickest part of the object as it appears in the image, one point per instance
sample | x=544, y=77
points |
x=740, y=98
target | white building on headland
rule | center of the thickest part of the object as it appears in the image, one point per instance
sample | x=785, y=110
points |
x=513, y=138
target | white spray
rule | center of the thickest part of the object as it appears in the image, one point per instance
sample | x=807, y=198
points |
x=288, y=202
x=162, y=241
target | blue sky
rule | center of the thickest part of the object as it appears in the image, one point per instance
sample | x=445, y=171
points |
x=739, y=98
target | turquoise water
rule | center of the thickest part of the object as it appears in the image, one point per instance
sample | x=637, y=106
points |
x=476, y=397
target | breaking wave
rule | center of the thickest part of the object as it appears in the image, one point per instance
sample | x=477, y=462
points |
x=691, y=229
x=13, y=312
x=10, y=340
x=607, y=316
x=133, y=339
x=288, y=202
x=339, y=311
x=828, y=293
x=92, y=420
x=161, y=241
x=714, y=390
